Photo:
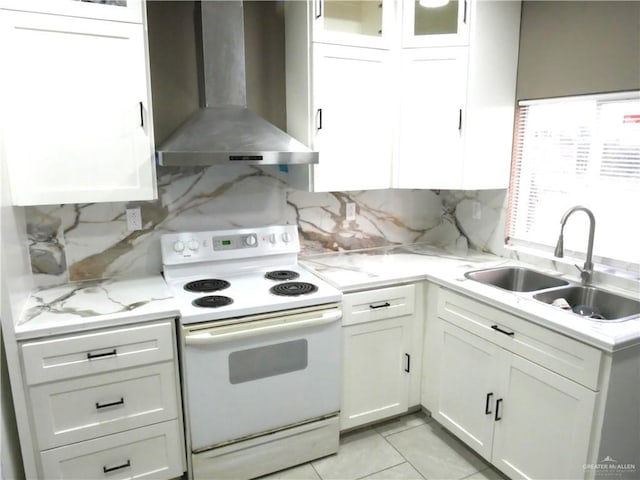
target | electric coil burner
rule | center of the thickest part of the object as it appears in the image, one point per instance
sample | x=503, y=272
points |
x=274, y=337
x=213, y=301
x=207, y=285
x=293, y=289
x=282, y=275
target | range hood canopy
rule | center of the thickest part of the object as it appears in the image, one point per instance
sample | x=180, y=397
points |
x=224, y=130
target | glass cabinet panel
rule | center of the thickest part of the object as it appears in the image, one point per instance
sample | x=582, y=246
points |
x=431, y=23
x=353, y=17
x=440, y=20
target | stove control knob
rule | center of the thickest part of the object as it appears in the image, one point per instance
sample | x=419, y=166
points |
x=178, y=246
x=250, y=240
x=193, y=245
x=272, y=238
x=286, y=237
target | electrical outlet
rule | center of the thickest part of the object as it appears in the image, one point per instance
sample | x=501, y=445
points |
x=350, y=213
x=476, y=210
x=134, y=219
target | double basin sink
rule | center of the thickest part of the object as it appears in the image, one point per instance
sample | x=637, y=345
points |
x=587, y=301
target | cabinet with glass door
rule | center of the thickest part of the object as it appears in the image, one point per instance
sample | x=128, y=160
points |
x=353, y=22
x=117, y=10
x=435, y=23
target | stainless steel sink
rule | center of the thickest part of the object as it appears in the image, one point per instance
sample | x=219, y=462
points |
x=515, y=279
x=600, y=304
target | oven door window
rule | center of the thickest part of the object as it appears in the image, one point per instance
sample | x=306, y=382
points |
x=267, y=361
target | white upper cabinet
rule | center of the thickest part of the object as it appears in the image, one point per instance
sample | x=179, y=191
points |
x=428, y=23
x=118, y=10
x=432, y=108
x=76, y=120
x=353, y=22
x=445, y=93
x=336, y=105
x=352, y=128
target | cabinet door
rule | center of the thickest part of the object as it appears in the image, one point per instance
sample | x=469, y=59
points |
x=429, y=23
x=353, y=22
x=119, y=10
x=376, y=371
x=352, y=118
x=432, y=109
x=544, y=425
x=467, y=382
x=76, y=121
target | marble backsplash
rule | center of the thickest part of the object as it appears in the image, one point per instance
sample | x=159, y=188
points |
x=91, y=241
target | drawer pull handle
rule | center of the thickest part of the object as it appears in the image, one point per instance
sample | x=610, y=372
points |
x=487, y=403
x=92, y=356
x=382, y=305
x=112, y=404
x=117, y=467
x=498, y=329
x=498, y=416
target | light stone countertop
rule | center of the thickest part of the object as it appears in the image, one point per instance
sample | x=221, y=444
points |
x=87, y=305
x=354, y=271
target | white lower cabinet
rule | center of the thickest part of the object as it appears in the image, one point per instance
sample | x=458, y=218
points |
x=106, y=403
x=527, y=420
x=147, y=452
x=379, y=355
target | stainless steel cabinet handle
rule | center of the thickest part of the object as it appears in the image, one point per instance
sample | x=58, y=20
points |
x=407, y=367
x=319, y=119
x=318, y=8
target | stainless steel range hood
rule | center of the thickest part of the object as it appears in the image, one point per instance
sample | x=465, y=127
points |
x=224, y=130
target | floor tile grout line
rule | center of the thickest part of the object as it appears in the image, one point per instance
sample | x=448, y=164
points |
x=385, y=469
x=400, y=453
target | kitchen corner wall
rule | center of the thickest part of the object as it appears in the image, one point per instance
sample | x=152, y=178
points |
x=90, y=241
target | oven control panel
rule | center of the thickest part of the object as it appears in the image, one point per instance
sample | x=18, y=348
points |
x=215, y=245
x=234, y=242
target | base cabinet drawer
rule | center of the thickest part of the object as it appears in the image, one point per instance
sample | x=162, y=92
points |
x=378, y=304
x=147, y=452
x=566, y=356
x=97, y=352
x=84, y=408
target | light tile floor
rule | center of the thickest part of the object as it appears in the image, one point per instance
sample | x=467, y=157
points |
x=409, y=447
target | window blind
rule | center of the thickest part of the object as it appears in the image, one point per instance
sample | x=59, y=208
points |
x=578, y=151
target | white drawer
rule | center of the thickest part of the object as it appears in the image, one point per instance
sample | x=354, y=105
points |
x=570, y=358
x=378, y=304
x=148, y=452
x=89, y=407
x=97, y=352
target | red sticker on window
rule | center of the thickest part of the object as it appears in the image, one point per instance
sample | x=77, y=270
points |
x=631, y=119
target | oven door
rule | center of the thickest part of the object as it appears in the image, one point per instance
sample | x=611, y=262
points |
x=266, y=373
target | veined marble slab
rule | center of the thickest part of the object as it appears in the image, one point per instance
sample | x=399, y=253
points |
x=87, y=305
x=353, y=271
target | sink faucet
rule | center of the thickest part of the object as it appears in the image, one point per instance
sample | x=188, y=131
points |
x=586, y=272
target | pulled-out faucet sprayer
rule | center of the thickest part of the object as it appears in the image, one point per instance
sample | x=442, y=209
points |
x=586, y=272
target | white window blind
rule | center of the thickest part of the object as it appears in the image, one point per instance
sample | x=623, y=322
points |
x=578, y=151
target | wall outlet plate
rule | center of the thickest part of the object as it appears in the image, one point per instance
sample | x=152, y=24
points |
x=476, y=208
x=350, y=213
x=134, y=219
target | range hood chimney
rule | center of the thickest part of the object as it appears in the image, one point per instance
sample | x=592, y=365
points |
x=224, y=130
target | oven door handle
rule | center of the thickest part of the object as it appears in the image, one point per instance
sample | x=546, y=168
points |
x=216, y=335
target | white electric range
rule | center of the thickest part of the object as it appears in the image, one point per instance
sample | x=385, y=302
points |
x=260, y=351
